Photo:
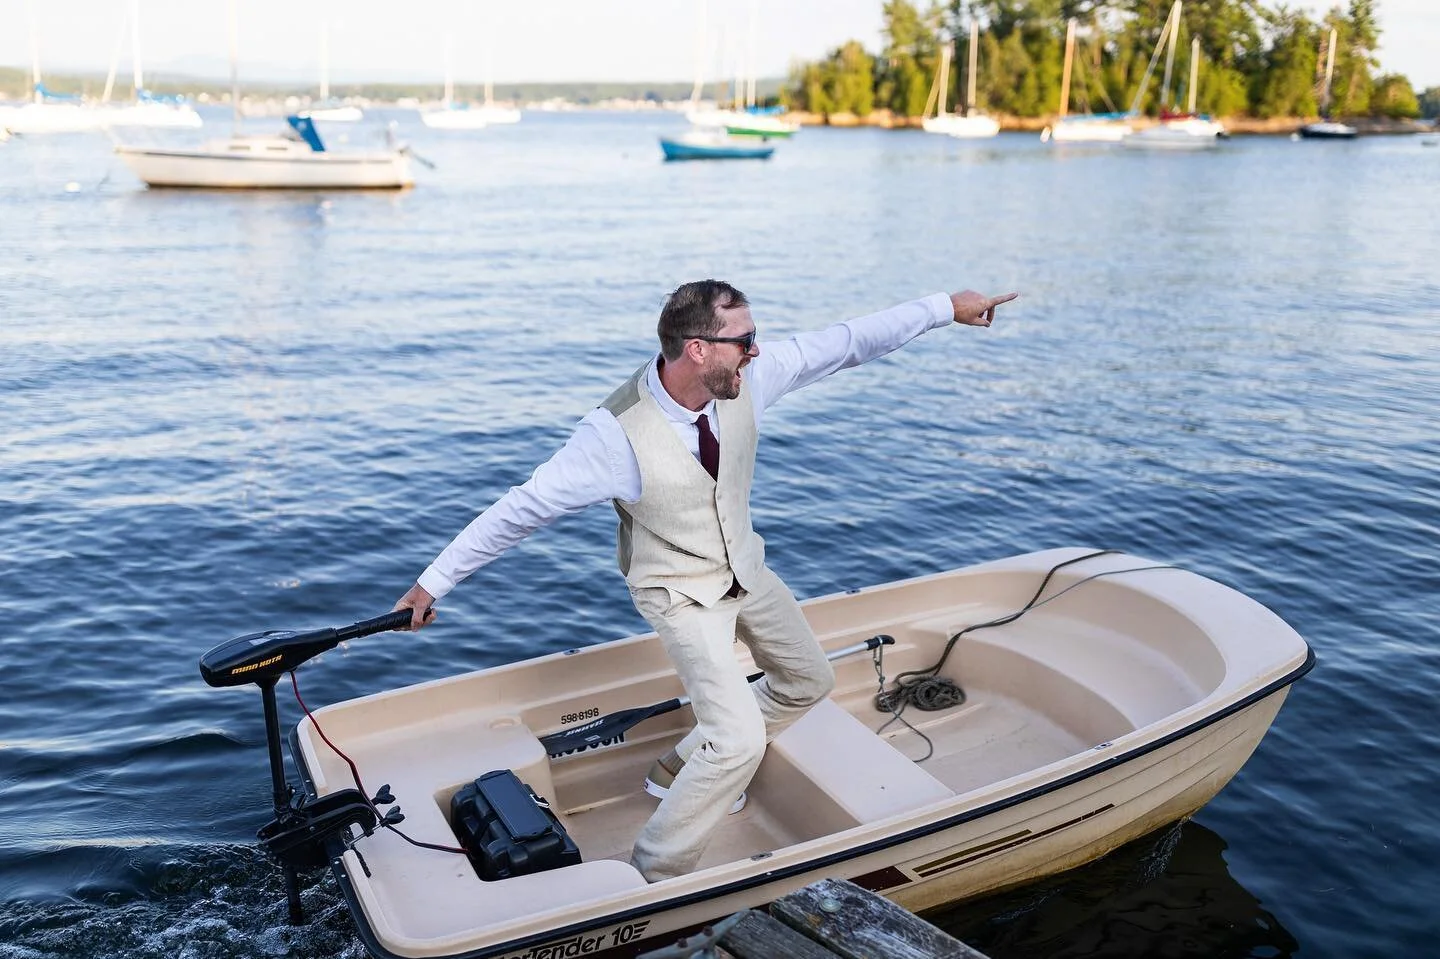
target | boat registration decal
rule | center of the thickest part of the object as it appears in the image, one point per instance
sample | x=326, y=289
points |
x=583, y=944
x=954, y=860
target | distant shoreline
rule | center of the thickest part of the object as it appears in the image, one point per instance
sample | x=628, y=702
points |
x=1245, y=126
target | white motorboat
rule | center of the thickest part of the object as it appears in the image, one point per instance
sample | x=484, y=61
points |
x=296, y=160
x=1104, y=696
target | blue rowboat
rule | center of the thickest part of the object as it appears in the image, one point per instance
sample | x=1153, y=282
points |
x=708, y=145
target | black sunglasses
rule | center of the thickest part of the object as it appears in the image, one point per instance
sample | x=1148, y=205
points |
x=746, y=342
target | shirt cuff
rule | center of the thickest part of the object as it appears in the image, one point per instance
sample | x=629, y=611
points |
x=942, y=311
x=434, y=582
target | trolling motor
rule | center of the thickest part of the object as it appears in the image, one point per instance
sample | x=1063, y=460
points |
x=299, y=837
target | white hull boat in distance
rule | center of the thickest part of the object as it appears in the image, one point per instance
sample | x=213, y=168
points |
x=743, y=123
x=972, y=126
x=1097, y=128
x=1328, y=130
x=336, y=114
x=454, y=118
x=153, y=114
x=33, y=118
x=1175, y=135
x=498, y=115
x=281, y=162
x=1123, y=698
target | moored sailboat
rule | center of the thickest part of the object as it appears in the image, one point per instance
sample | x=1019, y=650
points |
x=1325, y=128
x=972, y=124
x=294, y=159
x=1175, y=131
x=1082, y=127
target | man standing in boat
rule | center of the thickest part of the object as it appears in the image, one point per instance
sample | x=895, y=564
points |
x=673, y=449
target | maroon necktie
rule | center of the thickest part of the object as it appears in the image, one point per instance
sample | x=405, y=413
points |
x=709, y=447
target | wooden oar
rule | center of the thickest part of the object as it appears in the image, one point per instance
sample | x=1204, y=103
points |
x=610, y=730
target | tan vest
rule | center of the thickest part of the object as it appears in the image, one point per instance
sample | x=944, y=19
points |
x=687, y=532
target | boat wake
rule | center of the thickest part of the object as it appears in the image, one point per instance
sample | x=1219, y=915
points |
x=164, y=902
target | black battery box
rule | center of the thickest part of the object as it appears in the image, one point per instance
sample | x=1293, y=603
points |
x=507, y=829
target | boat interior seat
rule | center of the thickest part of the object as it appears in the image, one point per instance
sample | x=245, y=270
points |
x=830, y=772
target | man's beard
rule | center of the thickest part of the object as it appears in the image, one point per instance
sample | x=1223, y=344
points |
x=720, y=381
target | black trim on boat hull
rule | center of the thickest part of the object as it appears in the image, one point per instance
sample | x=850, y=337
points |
x=373, y=946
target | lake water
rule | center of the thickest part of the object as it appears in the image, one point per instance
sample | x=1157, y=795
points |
x=226, y=413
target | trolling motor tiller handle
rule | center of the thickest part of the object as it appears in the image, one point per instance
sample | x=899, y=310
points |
x=300, y=835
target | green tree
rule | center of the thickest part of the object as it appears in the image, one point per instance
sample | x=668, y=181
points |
x=1392, y=96
x=1430, y=103
x=841, y=83
x=854, y=84
x=1285, y=86
x=1359, y=33
x=910, y=58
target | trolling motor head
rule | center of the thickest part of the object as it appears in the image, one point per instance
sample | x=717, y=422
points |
x=265, y=657
x=304, y=831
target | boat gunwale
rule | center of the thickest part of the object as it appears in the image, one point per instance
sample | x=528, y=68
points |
x=312, y=157
x=375, y=948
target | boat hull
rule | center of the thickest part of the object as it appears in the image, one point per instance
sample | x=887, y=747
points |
x=1328, y=131
x=319, y=171
x=973, y=127
x=675, y=149
x=1077, y=130
x=1079, y=734
x=454, y=119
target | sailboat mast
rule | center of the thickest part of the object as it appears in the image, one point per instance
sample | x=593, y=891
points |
x=324, y=62
x=699, y=57
x=135, y=47
x=489, y=66
x=34, y=53
x=449, y=77
x=115, y=58
x=1174, y=28
x=235, y=62
x=945, y=78
x=1065, y=72
x=970, y=71
x=1329, y=72
x=751, y=53
x=1194, y=72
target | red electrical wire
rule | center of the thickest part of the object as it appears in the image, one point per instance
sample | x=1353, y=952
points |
x=355, y=774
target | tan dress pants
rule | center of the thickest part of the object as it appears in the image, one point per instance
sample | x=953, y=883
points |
x=734, y=719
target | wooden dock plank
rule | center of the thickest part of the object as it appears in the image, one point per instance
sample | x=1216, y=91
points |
x=858, y=924
x=759, y=936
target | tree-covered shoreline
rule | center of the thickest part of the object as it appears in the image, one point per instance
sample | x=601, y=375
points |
x=1258, y=59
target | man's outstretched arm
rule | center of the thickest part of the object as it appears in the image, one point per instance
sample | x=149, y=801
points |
x=784, y=366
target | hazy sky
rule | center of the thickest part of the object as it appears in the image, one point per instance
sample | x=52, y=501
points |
x=532, y=39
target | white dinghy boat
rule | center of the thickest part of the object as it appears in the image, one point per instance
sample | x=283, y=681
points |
x=1105, y=695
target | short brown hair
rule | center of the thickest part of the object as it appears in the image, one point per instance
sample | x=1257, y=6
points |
x=691, y=311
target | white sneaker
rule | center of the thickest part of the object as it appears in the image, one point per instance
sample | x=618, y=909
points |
x=660, y=777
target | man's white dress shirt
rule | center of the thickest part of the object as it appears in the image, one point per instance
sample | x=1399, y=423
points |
x=597, y=464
